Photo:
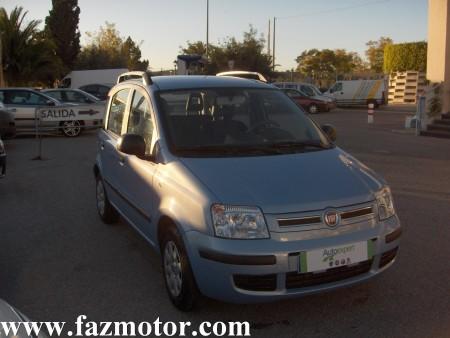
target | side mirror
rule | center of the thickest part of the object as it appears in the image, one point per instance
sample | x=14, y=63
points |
x=330, y=131
x=131, y=144
x=50, y=103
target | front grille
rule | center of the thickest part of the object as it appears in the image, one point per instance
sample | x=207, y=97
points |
x=357, y=213
x=347, y=216
x=299, y=221
x=296, y=280
x=256, y=282
x=388, y=257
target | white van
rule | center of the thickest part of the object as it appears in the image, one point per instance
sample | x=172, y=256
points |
x=79, y=78
x=358, y=92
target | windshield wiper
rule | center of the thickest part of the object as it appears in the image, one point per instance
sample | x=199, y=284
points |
x=230, y=150
x=300, y=144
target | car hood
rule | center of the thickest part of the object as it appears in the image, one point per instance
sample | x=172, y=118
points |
x=288, y=183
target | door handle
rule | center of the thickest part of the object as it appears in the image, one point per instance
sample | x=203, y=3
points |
x=12, y=110
x=102, y=146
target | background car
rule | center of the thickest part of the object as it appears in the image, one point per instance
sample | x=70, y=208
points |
x=2, y=159
x=23, y=103
x=7, y=123
x=100, y=91
x=72, y=96
x=308, y=103
x=245, y=75
x=309, y=90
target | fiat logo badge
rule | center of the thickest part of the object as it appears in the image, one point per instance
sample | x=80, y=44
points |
x=331, y=218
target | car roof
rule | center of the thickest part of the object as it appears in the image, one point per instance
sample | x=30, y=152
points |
x=175, y=82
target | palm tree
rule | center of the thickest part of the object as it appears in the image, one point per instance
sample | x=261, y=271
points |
x=26, y=53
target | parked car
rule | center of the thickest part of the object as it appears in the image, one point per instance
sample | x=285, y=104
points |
x=7, y=123
x=100, y=91
x=359, y=92
x=242, y=194
x=72, y=96
x=244, y=75
x=23, y=102
x=309, y=90
x=308, y=103
x=2, y=159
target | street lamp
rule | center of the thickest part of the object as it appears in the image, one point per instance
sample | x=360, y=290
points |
x=207, y=27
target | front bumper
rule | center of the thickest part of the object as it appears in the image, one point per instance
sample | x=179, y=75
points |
x=247, y=271
x=2, y=165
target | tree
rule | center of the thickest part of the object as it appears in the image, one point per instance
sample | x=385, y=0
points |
x=375, y=53
x=61, y=25
x=107, y=49
x=327, y=63
x=28, y=57
x=247, y=54
x=132, y=54
x=405, y=56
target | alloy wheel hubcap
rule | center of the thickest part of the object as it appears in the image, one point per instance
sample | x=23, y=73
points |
x=100, y=198
x=71, y=128
x=313, y=109
x=172, y=268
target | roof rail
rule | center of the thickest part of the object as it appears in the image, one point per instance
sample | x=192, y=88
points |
x=145, y=76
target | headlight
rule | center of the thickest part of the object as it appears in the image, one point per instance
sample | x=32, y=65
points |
x=2, y=147
x=238, y=222
x=385, y=204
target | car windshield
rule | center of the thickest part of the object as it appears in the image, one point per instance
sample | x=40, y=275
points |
x=237, y=121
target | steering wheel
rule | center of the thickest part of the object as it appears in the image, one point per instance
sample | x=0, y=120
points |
x=266, y=123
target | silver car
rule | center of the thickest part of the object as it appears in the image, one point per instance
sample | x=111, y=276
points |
x=242, y=194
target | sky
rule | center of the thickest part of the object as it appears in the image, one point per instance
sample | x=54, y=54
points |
x=165, y=25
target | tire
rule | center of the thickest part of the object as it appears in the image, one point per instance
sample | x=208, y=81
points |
x=178, y=276
x=71, y=128
x=313, y=109
x=106, y=211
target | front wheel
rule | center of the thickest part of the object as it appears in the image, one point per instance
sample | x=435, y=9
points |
x=178, y=276
x=106, y=211
x=71, y=128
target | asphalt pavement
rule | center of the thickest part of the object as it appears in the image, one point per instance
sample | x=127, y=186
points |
x=58, y=260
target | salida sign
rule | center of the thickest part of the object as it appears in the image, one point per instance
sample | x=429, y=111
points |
x=68, y=114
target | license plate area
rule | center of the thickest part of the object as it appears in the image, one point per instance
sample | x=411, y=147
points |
x=335, y=256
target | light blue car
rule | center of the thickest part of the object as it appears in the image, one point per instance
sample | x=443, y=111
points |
x=242, y=194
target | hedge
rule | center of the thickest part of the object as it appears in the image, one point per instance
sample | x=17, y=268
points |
x=405, y=56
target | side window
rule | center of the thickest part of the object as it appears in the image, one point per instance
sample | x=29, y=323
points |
x=23, y=97
x=307, y=90
x=73, y=96
x=55, y=95
x=140, y=121
x=117, y=111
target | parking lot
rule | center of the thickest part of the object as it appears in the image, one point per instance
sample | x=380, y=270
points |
x=58, y=260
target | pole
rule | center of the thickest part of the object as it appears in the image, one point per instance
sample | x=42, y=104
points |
x=268, y=40
x=207, y=27
x=2, y=84
x=273, y=44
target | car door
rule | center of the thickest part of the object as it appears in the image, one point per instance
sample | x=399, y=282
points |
x=137, y=172
x=298, y=98
x=110, y=158
x=23, y=103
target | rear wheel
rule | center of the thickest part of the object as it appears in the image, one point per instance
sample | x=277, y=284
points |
x=313, y=109
x=106, y=211
x=71, y=128
x=178, y=276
